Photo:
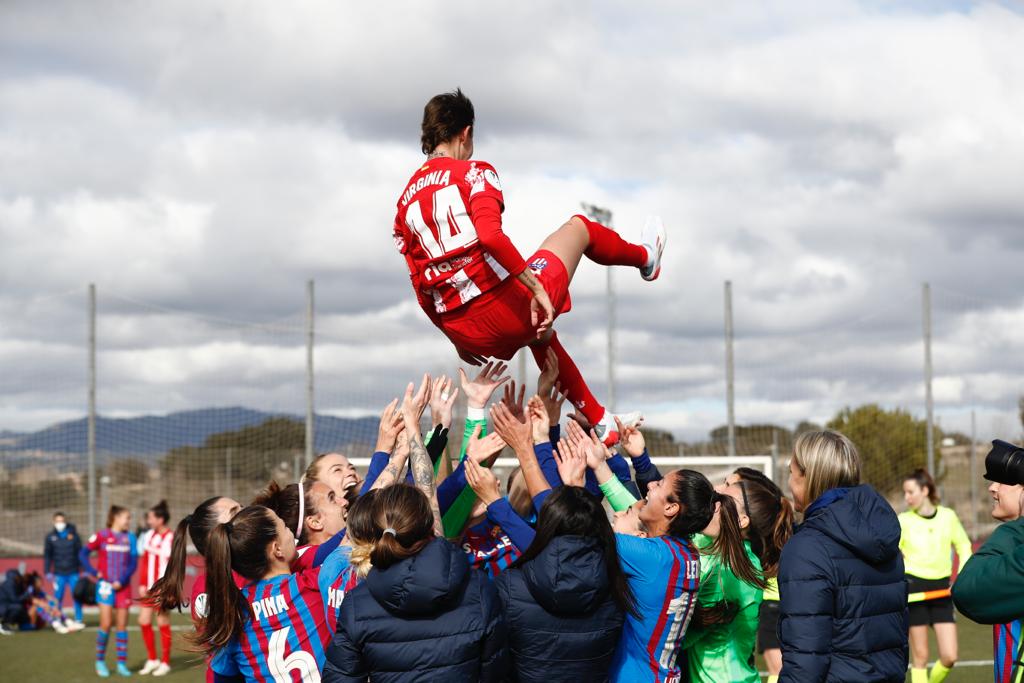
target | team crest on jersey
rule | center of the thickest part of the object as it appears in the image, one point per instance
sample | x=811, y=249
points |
x=475, y=179
x=538, y=265
x=492, y=177
x=201, y=605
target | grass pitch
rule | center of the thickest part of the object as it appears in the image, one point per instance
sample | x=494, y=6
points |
x=47, y=657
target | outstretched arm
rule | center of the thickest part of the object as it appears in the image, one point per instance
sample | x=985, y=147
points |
x=419, y=461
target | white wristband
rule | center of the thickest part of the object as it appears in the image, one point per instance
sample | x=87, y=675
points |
x=475, y=414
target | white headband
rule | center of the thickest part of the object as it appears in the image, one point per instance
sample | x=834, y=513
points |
x=302, y=512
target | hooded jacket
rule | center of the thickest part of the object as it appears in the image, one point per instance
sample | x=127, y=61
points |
x=563, y=623
x=426, y=618
x=60, y=551
x=843, y=612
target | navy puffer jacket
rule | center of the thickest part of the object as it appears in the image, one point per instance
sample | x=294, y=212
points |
x=563, y=623
x=843, y=609
x=426, y=618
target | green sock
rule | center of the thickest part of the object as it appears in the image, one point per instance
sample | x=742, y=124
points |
x=919, y=676
x=939, y=673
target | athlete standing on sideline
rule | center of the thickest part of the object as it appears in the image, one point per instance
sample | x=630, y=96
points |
x=929, y=530
x=470, y=279
x=155, y=549
x=117, y=558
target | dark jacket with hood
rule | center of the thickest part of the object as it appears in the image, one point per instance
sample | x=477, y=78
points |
x=12, y=597
x=563, y=623
x=426, y=618
x=60, y=551
x=843, y=609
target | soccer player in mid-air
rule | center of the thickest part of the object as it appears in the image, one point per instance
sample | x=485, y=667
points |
x=471, y=280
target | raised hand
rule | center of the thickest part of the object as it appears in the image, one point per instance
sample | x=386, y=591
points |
x=630, y=439
x=572, y=464
x=514, y=400
x=392, y=473
x=481, y=450
x=553, y=400
x=592, y=448
x=391, y=424
x=539, y=415
x=413, y=405
x=549, y=373
x=517, y=433
x=442, y=398
x=478, y=391
x=483, y=482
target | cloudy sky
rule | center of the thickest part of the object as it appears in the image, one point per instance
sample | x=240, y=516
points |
x=199, y=161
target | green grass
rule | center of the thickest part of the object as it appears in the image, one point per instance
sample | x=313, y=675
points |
x=47, y=657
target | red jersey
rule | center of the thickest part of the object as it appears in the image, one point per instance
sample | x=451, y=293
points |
x=448, y=227
x=156, y=551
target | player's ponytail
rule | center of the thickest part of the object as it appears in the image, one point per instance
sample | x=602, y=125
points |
x=239, y=545
x=362, y=532
x=771, y=520
x=729, y=546
x=169, y=592
x=402, y=513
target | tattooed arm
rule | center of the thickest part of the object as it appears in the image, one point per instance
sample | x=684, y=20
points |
x=419, y=461
x=392, y=474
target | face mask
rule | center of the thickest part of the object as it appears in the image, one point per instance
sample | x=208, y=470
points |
x=60, y=526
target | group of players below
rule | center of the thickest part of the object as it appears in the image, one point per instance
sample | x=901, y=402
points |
x=396, y=578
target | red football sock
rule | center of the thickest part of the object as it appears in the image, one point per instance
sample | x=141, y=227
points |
x=165, y=642
x=609, y=249
x=149, y=640
x=571, y=380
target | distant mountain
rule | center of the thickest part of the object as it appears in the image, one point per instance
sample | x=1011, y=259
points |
x=151, y=436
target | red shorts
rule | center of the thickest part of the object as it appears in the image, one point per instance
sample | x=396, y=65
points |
x=497, y=323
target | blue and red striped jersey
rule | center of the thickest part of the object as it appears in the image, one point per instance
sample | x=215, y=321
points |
x=1007, y=646
x=489, y=548
x=292, y=620
x=664, y=574
x=116, y=554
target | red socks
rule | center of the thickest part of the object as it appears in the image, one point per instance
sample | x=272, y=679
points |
x=165, y=642
x=149, y=640
x=570, y=377
x=609, y=249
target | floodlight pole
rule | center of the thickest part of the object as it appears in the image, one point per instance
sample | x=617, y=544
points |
x=91, y=419
x=309, y=373
x=730, y=371
x=604, y=217
x=926, y=303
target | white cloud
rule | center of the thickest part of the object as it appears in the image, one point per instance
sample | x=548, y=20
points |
x=209, y=158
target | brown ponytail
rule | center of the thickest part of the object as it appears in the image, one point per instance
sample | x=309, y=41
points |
x=406, y=524
x=729, y=544
x=239, y=545
x=445, y=116
x=168, y=592
x=771, y=521
x=362, y=531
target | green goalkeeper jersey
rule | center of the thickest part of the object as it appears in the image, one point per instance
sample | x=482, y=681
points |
x=723, y=652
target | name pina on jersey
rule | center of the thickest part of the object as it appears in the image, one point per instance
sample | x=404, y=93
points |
x=269, y=606
x=435, y=178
